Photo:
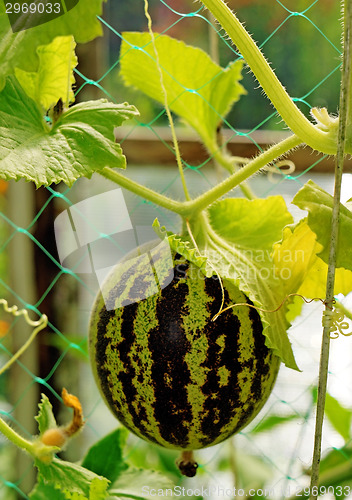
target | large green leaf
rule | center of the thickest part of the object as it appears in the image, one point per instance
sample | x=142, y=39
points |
x=251, y=267
x=19, y=50
x=197, y=89
x=246, y=264
x=73, y=480
x=319, y=205
x=297, y=255
x=105, y=457
x=263, y=221
x=139, y=484
x=54, y=78
x=80, y=142
x=44, y=491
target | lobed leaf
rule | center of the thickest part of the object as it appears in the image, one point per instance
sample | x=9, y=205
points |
x=197, y=89
x=44, y=491
x=19, y=50
x=251, y=267
x=298, y=253
x=54, y=78
x=81, y=141
x=319, y=205
x=247, y=264
x=182, y=246
x=73, y=480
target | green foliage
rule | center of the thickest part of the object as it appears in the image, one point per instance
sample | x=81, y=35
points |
x=197, y=89
x=79, y=143
x=105, y=457
x=241, y=253
x=241, y=241
x=103, y=473
x=19, y=50
x=339, y=417
x=45, y=417
x=72, y=480
x=54, y=78
x=319, y=205
x=130, y=485
x=272, y=421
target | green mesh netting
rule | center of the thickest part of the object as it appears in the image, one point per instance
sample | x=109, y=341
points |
x=302, y=41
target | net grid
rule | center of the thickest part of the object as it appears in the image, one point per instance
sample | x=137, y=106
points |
x=301, y=403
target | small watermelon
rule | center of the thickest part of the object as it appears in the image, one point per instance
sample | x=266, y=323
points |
x=166, y=370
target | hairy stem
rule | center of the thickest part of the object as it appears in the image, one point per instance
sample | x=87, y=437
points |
x=15, y=438
x=224, y=161
x=244, y=173
x=143, y=191
x=325, y=347
x=189, y=208
x=293, y=117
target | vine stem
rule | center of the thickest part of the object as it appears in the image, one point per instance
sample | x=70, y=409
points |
x=252, y=167
x=15, y=438
x=325, y=346
x=36, y=449
x=192, y=207
x=291, y=114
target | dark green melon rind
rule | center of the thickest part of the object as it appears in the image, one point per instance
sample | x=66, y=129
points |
x=168, y=417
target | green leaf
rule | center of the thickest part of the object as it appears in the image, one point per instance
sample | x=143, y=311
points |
x=296, y=255
x=45, y=417
x=105, y=457
x=72, y=480
x=19, y=50
x=247, y=265
x=319, y=205
x=197, y=89
x=44, y=491
x=80, y=142
x=272, y=421
x=183, y=247
x=335, y=472
x=250, y=266
x=54, y=78
x=263, y=220
x=339, y=417
x=138, y=483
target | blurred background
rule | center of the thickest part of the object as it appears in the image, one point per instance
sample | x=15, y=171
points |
x=301, y=39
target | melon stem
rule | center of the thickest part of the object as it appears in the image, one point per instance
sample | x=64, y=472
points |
x=187, y=464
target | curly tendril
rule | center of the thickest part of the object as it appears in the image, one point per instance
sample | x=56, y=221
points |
x=37, y=327
x=333, y=321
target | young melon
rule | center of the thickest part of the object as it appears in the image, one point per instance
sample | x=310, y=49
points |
x=166, y=370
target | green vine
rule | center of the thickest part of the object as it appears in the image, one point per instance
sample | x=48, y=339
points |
x=321, y=140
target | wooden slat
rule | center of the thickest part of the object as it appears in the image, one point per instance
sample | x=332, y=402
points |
x=143, y=145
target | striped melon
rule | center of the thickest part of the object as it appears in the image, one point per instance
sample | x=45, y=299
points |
x=166, y=370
